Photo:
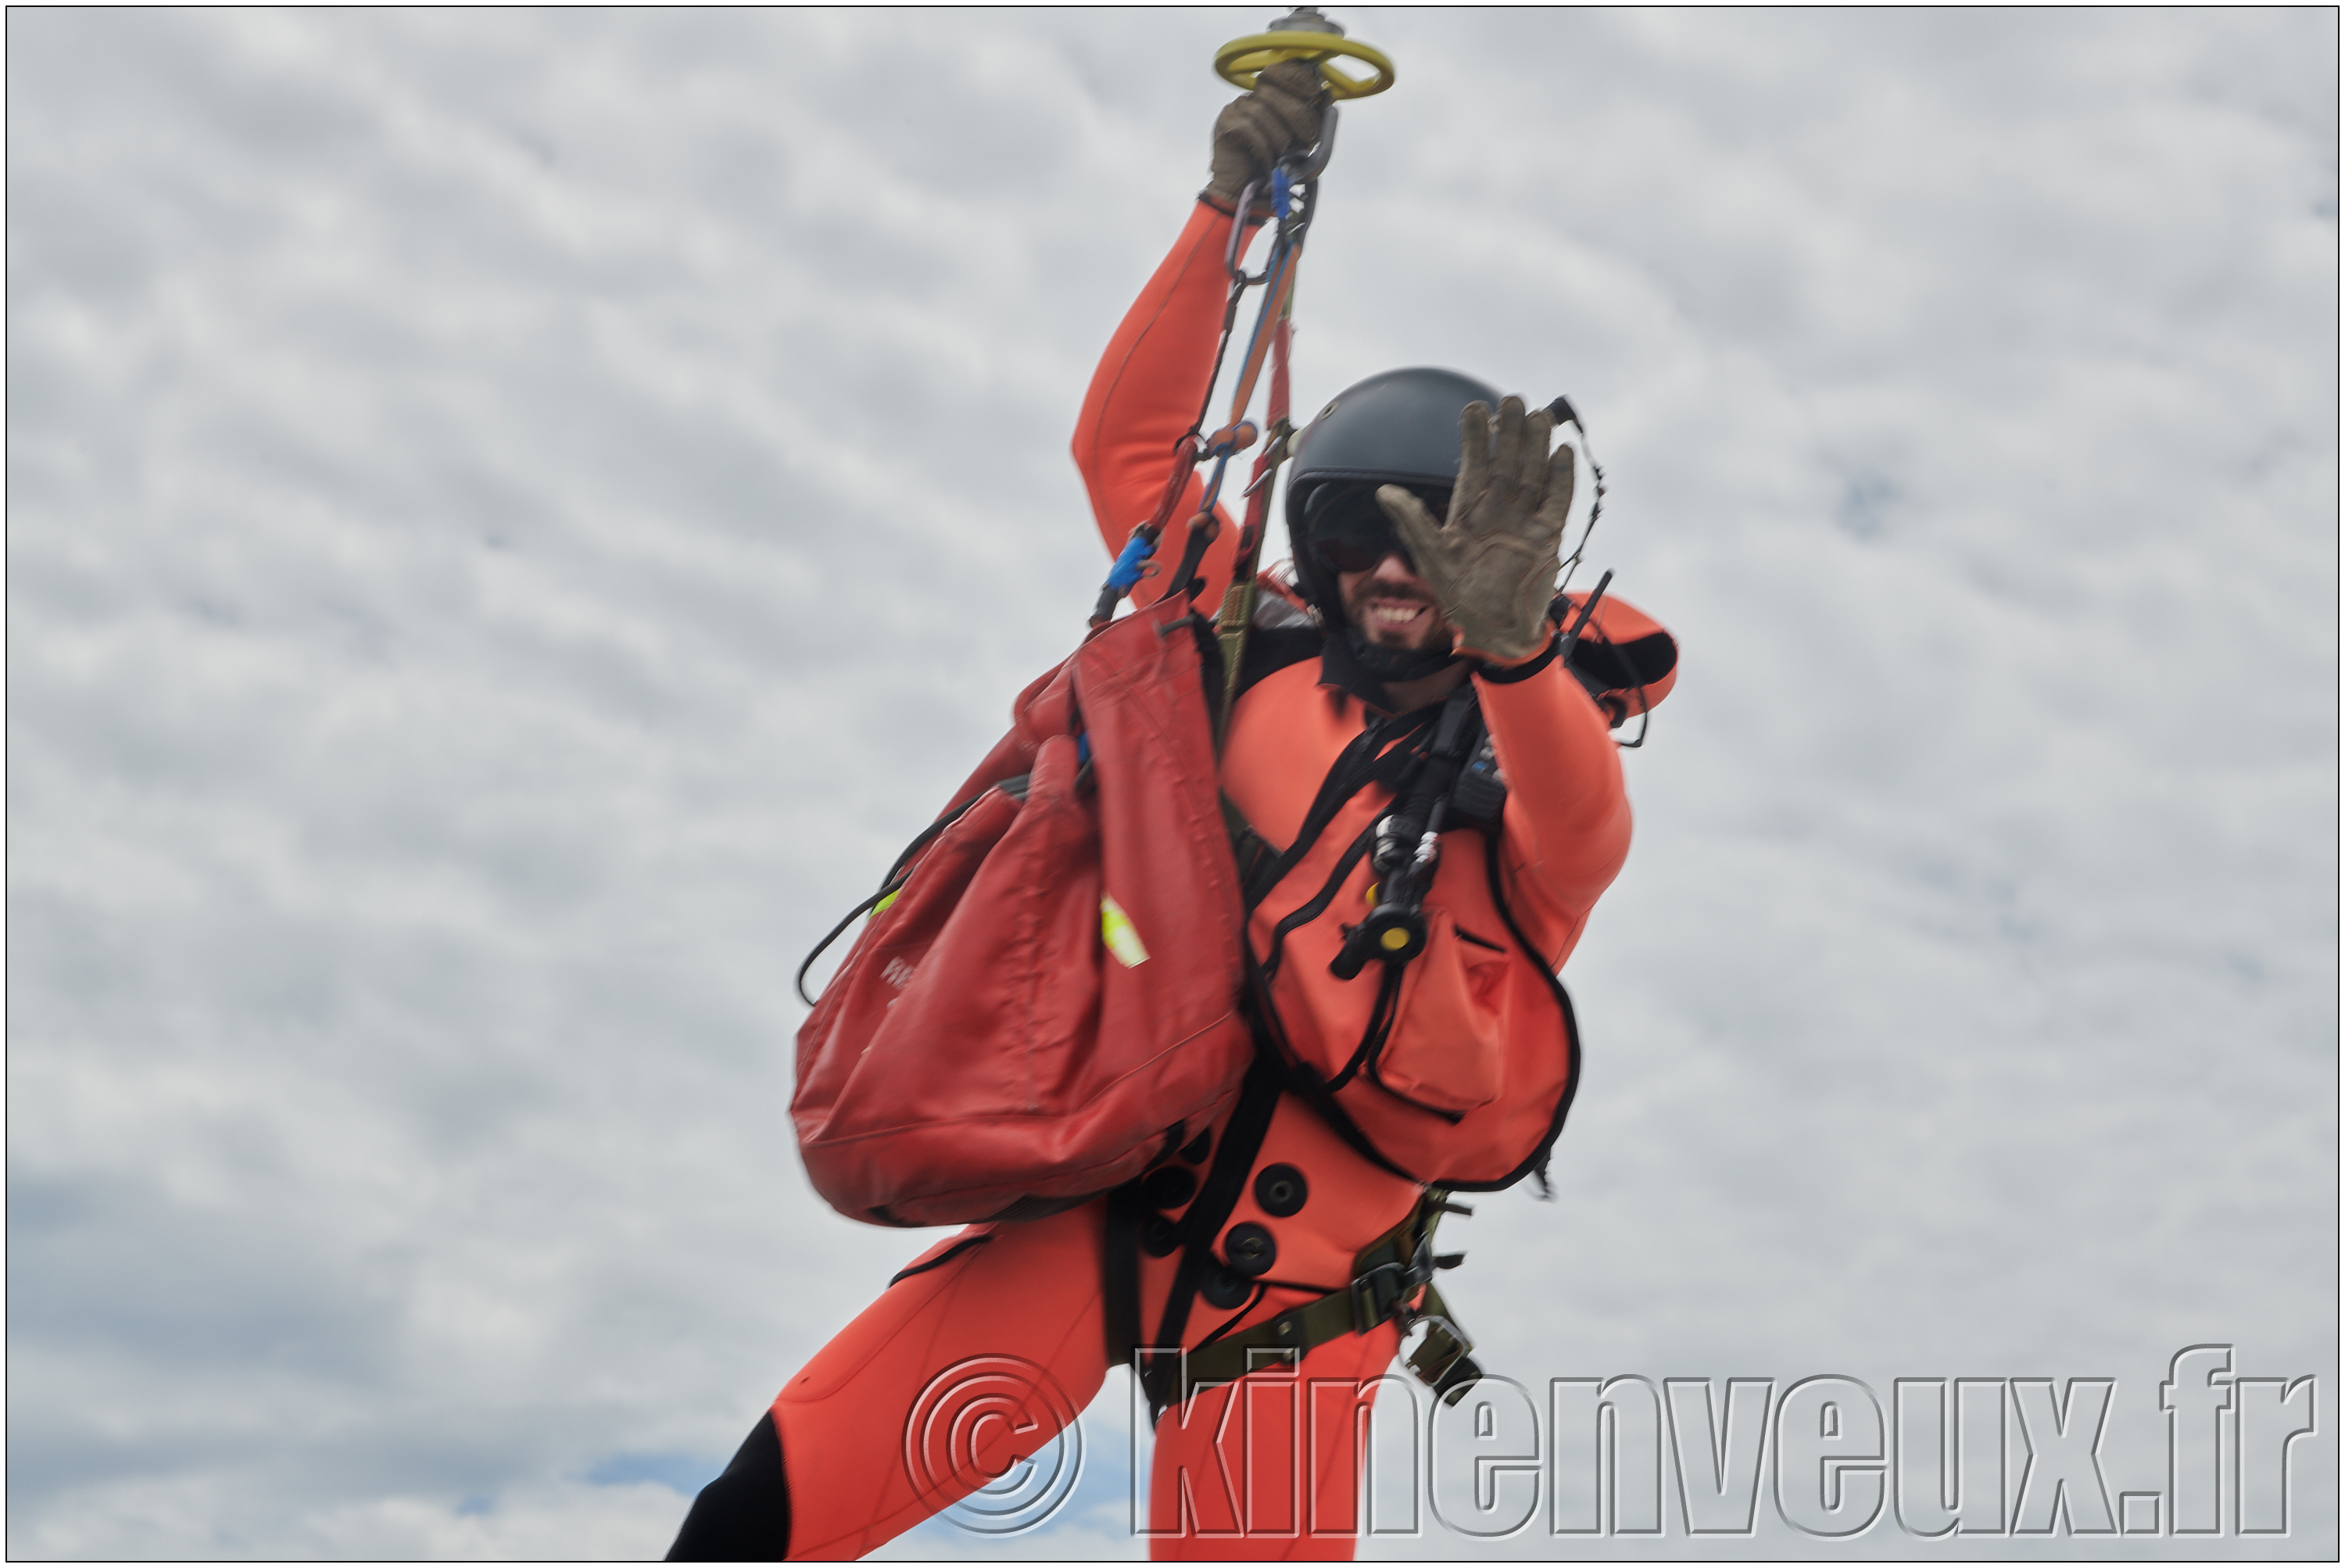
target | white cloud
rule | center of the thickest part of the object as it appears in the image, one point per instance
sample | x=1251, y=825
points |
x=515, y=516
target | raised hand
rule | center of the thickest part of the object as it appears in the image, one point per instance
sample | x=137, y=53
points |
x=1493, y=565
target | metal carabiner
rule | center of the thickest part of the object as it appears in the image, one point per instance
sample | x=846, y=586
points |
x=1316, y=159
x=1238, y=274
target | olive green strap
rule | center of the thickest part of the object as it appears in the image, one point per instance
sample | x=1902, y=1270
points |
x=1442, y=1361
x=1252, y=851
x=1291, y=1334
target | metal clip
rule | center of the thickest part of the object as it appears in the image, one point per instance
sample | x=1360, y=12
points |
x=1317, y=159
x=1238, y=274
x=1444, y=1352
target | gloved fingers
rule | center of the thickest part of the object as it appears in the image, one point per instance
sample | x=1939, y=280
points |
x=1520, y=461
x=1473, y=458
x=1234, y=162
x=1418, y=529
x=1538, y=431
x=1431, y=547
x=1507, y=458
x=1249, y=128
x=1299, y=91
x=1561, y=470
x=1281, y=116
x=1296, y=78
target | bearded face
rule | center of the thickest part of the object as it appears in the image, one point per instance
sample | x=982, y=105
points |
x=1392, y=607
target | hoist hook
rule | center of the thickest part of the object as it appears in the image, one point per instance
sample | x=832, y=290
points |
x=1305, y=35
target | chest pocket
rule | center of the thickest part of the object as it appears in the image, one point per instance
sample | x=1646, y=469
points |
x=1447, y=1048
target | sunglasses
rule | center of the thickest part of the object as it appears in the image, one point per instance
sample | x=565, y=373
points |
x=1355, y=534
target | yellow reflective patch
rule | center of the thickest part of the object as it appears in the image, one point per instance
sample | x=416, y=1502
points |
x=882, y=907
x=1116, y=931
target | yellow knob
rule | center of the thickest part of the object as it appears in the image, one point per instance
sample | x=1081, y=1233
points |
x=1395, y=939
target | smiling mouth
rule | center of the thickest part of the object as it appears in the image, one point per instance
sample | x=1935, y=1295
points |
x=1397, y=613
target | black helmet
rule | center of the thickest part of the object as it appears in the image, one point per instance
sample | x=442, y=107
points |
x=1397, y=427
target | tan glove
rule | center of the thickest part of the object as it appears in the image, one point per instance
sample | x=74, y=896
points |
x=1493, y=566
x=1282, y=115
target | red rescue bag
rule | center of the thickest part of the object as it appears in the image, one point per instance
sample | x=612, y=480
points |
x=1047, y=1005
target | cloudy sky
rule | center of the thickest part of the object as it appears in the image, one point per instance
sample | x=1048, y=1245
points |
x=514, y=517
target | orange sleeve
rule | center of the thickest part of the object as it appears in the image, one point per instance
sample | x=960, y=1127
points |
x=1567, y=817
x=1147, y=390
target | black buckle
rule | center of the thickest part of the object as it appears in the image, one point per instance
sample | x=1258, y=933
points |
x=1380, y=1293
x=1377, y=1295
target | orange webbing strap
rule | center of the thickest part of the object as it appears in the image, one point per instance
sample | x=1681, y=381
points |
x=1237, y=604
x=1274, y=311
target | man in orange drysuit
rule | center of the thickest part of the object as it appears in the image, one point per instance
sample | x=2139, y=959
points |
x=1295, y=1230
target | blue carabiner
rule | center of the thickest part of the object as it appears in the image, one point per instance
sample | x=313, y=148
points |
x=1126, y=570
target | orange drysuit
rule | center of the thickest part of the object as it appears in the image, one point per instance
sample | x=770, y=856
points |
x=982, y=1351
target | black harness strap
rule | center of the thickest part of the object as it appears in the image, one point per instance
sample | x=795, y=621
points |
x=1120, y=1279
x=1353, y=772
x=1379, y=1029
x=1304, y=914
x=1536, y=1166
x=1234, y=1157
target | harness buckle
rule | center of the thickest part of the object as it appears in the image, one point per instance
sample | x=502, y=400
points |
x=1381, y=1292
x=1443, y=1361
x=1377, y=1295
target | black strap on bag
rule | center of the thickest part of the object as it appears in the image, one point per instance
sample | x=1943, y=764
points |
x=893, y=882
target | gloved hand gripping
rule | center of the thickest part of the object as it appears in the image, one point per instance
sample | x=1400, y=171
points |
x=1281, y=116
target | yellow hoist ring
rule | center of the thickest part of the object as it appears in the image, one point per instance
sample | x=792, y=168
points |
x=1240, y=60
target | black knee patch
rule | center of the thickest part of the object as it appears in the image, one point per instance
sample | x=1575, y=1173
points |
x=744, y=1515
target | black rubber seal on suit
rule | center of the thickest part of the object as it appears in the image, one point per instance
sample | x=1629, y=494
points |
x=744, y=1515
x=1507, y=675
x=1250, y=1249
x=1280, y=1191
x=941, y=1258
x=1168, y=1186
